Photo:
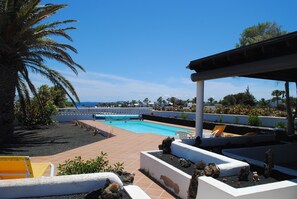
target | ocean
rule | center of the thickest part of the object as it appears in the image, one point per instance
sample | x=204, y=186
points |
x=86, y=104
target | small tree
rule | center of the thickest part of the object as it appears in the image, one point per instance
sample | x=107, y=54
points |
x=277, y=94
x=30, y=113
x=260, y=32
x=211, y=100
x=146, y=101
x=263, y=103
x=160, y=101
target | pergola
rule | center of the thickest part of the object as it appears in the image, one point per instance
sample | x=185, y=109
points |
x=274, y=59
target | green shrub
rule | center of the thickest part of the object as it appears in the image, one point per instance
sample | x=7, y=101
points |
x=254, y=120
x=246, y=110
x=220, y=119
x=79, y=166
x=236, y=120
x=280, y=124
x=281, y=107
x=183, y=116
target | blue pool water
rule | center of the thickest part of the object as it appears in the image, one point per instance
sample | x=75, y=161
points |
x=137, y=126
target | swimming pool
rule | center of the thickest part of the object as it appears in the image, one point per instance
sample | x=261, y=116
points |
x=138, y=126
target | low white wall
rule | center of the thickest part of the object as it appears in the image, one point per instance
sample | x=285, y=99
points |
x=228, y=166
x=219, y=141
x=69, y=114
x=171, y=177
x=135, y=192
x=211, y=188
x=267, y=121
x=57, y=185
x=283, y=153
x=71, y=117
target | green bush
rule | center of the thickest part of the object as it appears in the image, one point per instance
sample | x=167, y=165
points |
x=183, y=116
x=236, y=120
x=254, y=120
x=246, y=110
x=79, y=166
x=280, y=124
x=220, y=119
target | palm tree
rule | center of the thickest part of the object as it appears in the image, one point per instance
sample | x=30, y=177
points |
x=160, y=101
x=146, y=101
x=211, y=100
x=277, y=94
x=25, y=44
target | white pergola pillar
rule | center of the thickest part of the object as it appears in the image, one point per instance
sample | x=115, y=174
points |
x=199, y=108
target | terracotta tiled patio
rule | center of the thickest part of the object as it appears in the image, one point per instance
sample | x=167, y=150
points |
x=124, y=147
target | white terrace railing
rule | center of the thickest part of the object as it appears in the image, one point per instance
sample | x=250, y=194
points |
x=69, y=114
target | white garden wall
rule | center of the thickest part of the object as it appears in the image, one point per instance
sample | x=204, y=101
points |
x=220, y=141
x=282, y=154
x=228, y=166
x=171, y=177
x=63, y=185
x=211, y=188
x=57, y=185
x=69, y=114
x=267, y=121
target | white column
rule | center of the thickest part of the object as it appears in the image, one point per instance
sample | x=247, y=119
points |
x=199, y=108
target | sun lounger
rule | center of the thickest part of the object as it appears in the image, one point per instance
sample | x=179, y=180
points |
x=218, y=130
x=12, y=167
x=184, y=135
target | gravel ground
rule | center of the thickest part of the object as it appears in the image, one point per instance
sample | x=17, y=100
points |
x=48, y=140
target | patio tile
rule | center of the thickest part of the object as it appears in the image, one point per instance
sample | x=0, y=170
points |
x=153, y=192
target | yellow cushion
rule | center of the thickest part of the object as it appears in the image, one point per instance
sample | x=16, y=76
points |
x=39, y=169
x=12, y=167
x=219, y=129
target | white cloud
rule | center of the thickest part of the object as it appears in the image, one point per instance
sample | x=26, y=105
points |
x=93, y=86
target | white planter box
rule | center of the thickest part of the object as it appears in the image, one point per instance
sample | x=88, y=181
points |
x=63, y=185
x=178, y=181
x=211, y=188
x=172, y=178
x=282, y=153
x=228, y=166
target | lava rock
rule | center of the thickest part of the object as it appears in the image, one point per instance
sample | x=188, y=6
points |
x=166, y=145
x=197, y=141
x=212, y=170
x=200, y=165
x=184, y=163
x=110, y=191
x=192, y=191
x=255, y=176
x=244, y=174
x=268, y=163
x=126, y=177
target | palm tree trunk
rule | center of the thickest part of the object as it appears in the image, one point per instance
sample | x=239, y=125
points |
x=289, y=111
x=8, y=82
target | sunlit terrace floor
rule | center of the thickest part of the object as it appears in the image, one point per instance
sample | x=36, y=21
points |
x=124, y=147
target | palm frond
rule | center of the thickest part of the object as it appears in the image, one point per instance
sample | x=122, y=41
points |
x=25, y=74
x=27, y=43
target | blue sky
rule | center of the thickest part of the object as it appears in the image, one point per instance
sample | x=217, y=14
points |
x=135, y=49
